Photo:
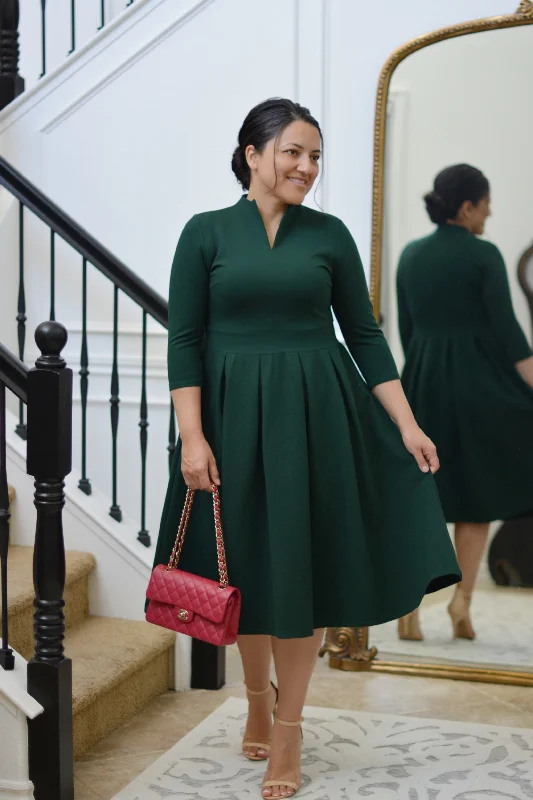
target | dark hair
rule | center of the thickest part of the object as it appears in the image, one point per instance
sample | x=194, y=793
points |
x=452, y=187
x=264, y=122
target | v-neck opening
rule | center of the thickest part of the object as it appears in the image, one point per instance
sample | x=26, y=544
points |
x=257, y=213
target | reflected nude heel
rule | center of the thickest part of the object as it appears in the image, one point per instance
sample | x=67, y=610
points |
x=409, y=627
x=260, y=745
x=459, y=611
x=292, y=785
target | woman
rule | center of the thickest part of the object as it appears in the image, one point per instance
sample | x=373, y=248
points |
x=466, y=375
x=331, y=515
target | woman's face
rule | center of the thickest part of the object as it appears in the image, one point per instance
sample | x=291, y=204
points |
x=288, y=166
x=473, y=217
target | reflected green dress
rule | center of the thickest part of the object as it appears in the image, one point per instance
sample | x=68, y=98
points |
x=328, y=520
x=461, y=341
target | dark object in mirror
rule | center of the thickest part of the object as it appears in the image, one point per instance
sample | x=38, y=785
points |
x=510, y=555
x=525, y=277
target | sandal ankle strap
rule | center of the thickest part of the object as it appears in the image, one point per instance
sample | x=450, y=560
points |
x=263, y=691
x=289, y=724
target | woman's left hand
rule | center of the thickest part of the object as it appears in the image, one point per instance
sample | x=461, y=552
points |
x=422, y=448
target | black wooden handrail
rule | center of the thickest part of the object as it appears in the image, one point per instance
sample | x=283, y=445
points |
x=73, y=233
x=14, y=374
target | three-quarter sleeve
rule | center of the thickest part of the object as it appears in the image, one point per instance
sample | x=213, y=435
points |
x=499, y=307
x=405, y=322
x=353, y=310
x=187, y=308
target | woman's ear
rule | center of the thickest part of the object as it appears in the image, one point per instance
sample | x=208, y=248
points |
x=251, y=156
x=465, y=211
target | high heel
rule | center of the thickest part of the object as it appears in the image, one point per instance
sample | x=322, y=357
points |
x=459, y=611
x=260, y=745
x=281, y=781
x=409, y=627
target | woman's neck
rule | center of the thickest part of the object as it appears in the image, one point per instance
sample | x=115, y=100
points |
x=270, y=207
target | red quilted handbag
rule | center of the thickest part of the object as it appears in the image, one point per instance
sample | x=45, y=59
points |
x=189, y=604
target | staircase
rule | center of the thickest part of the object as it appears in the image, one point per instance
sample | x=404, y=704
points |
x=118, y=665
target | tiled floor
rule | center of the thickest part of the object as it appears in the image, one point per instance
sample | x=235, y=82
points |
x=115, y=761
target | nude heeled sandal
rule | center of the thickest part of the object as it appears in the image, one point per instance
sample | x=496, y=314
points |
x=281, y=782
x=409, y=627
x=260, y=745
x=459, y=611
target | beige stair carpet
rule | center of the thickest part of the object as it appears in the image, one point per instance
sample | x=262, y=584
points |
x=20, y=595
x=348, y=755
x=118, y=666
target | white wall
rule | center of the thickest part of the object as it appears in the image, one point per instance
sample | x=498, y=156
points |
x=142, y=139
x=462, y=100
x=58, y=35
x=134, y=134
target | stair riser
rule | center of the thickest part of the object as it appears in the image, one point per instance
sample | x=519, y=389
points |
x=109, y=711
x=76, y=610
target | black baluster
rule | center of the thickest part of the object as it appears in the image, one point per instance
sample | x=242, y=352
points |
x=84, y=483
x=43, y=38
x=171, y=436
x=21, y=317
x=102, y=15
x=144, y=536
x=115, y=511
x=49, y=674
x=7, y=659
x=52, y=275
x=11, y=83
x=72, y=26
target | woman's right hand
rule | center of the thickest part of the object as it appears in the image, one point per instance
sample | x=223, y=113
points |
x=198, y=464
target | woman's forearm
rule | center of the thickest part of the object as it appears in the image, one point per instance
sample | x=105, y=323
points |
x=392, y=397
x=525, y=369
x=187, y=402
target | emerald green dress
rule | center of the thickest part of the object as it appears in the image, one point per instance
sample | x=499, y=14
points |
x=461, y=341
x=328, y=521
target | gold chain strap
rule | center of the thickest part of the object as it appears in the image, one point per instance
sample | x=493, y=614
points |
x=182, y=529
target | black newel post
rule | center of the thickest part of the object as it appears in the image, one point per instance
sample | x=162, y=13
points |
x=11, y=83
x=49, y=461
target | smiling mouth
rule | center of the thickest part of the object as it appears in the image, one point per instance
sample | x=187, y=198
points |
x=298, y=181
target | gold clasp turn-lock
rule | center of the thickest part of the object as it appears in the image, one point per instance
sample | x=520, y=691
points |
x=183, y=615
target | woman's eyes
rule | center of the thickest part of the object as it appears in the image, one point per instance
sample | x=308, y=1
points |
x=291, y=152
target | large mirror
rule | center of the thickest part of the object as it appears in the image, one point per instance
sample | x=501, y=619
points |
x=456, y=96
x=464, y=99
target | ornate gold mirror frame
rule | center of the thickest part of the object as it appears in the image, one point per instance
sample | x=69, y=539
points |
x=348, y=648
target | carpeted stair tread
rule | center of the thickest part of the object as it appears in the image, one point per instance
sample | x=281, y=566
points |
x=20, y=592
x=106, y=651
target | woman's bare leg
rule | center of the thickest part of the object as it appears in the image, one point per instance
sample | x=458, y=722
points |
x=256, y=655
x=470, y=543
x=295, y=661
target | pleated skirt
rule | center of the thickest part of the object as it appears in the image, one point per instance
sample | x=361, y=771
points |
x=479, y=412
x=328, y=521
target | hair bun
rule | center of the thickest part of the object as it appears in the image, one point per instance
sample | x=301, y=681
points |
x=438, y=212
x=240, y=167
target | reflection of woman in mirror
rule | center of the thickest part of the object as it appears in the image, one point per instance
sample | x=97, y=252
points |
x=468, y=374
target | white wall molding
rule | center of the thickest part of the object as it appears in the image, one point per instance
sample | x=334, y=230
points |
x=101, y=39
x=16, y=707
x=196, y=7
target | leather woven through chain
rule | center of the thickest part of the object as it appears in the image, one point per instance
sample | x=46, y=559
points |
x=182, y=529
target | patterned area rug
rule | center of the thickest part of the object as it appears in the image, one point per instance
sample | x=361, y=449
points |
x=348, y=755
x=503, y=621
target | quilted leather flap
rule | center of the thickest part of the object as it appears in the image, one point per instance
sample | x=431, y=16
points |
x=190, y=592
